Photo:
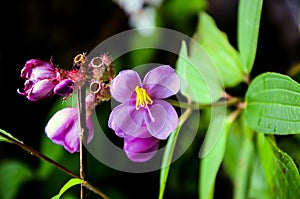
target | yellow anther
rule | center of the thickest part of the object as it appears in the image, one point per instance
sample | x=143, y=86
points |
x=142, y=98
x=79, y=59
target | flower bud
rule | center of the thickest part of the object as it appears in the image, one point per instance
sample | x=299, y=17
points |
x=64, y=88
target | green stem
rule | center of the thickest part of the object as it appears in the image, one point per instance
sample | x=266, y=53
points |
x=36, y=153
x=229, y=102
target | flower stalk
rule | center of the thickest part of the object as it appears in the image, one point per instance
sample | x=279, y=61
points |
x=82, y=135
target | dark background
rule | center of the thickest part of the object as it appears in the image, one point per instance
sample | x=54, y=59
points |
x=62, y=29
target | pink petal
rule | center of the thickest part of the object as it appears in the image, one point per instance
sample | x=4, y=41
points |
x=36, y=69
x=60, y=124
x=63, y=129
x=155, y=120
x=165, y=119
x=123, y=86
x=41, y=89
x=142, y=148
x=161, y=82
x=126, y=119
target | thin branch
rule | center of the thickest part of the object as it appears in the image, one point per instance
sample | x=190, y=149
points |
x=229, y=102
x=36, y=153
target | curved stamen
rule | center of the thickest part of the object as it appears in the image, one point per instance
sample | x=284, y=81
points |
x=142, y=98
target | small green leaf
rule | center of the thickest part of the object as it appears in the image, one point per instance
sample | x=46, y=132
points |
x=273, y=104
x=167, y=158
x=199, y=81
x=13, y=174
x=7, y=134
x=249, y=14
x=281, y=172
x=214, y=154
x=72, y=182
x=215, y=42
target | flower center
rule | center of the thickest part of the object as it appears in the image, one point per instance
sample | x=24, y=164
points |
x=142, y=98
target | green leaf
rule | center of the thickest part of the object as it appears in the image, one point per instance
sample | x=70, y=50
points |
x=215, y=42
x=167, y=158
x=258, y=187
x=245, y=162
x=7, y=134
x=199, y=81
x=280, y=170
x=13, y=174
x=211, y=162
x=249, y=13
x=72, y=182
x=232, y=153
x=273, y=104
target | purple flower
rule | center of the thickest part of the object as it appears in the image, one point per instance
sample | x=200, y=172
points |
x=63, y=129
x=36, y=69
x=143, y=109
x=42, y=80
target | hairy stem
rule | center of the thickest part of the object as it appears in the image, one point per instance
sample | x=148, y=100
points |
x=82, y=136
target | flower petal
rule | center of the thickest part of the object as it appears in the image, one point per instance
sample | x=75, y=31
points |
x=155, y=120
x=123, y=85
x=60, y=124
x=161, y=82
x=36, y=69
x=41, y=90
x=126, y=119
x=64, y=88
x=141, y=149
x=165, y=112
x=71, y=140
x=63, y=129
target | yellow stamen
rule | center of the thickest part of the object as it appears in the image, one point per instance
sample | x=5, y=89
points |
x=142, y=98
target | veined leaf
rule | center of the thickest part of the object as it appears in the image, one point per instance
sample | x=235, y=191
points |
x=273, y=104
x=281, y=172
x=225, y=58
x=249, y=14
x=72, y=182
x=199, y=81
